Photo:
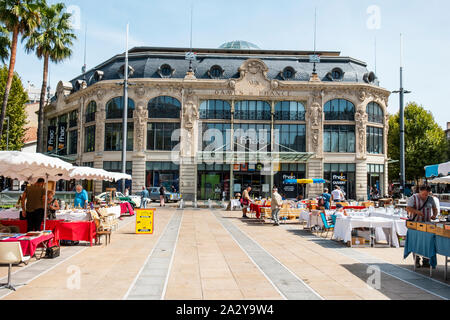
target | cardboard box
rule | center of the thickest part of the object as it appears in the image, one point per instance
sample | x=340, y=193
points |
x=421, y=227
x=431, y=228
x=411, y=225
x=358, y=241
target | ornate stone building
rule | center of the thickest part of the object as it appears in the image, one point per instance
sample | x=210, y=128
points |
x=243, y=116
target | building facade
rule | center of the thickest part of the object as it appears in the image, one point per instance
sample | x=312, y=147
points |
x=239, y=116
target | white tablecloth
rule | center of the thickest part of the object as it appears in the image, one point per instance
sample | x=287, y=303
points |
x=10, y=214
x=345, y=225
x=116, y=211
x=73, y=215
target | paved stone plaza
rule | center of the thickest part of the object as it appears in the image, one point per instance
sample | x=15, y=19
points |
x=215, y=255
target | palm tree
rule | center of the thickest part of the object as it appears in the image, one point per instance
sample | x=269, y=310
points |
x=51, y=41
x=5, y=44
x=19, y=17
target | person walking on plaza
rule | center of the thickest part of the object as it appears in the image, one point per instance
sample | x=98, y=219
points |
x=33, y=205
x=422, y=208
x=246, y=201
x=81, y=197
x=144, y=197
x=276, y=204
x=162, y=196
x=127, y=192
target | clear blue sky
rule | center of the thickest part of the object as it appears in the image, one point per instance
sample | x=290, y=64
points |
x=343, y=25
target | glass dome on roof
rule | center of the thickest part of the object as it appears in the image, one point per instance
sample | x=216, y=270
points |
x=239, y=44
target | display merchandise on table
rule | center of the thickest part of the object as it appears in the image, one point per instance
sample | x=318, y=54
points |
x=29, y=241
x=12, y=213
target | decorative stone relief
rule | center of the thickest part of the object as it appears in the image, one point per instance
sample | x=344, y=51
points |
x=140, y=116
x=140, y=91
x=361, y=119
x=315, y=114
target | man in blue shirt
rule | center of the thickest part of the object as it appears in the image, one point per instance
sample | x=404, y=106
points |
x=327, y=198
x=81, y=197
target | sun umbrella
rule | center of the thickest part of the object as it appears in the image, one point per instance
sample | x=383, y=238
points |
x=32, y=166
x=304, y=181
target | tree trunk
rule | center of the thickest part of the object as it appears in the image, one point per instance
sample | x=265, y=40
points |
x=12, y=63
x=40, y=140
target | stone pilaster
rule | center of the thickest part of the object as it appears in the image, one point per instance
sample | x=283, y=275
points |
x=139, y=169
x=314, y=120
x=361, y=119
x=98, y=185
x=361, y=180
x=314, y=170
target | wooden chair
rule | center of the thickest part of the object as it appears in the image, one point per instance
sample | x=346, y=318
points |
x=101, y=232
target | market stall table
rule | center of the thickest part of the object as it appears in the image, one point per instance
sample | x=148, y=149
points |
x=77, y=231
x=345, y=225
x=257, y=209
x=30, y=244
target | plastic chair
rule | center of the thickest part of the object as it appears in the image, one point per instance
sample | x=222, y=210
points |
x=11, y=254
x=326, y=226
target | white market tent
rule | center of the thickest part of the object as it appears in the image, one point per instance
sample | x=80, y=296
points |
x=443, y=180
x=32, y=166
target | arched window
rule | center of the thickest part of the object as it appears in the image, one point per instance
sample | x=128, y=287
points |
x=290, y=110
x=91, y=109
x=339, y=109
x=253, y=110
x=215, y=109
x=375, y=113
x=164, y=107
x=114, y=108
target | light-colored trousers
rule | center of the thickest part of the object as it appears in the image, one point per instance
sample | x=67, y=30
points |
x=162, y=200
x=275, y=215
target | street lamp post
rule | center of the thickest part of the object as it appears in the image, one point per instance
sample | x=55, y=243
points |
x=402, y=93
x=125, y=114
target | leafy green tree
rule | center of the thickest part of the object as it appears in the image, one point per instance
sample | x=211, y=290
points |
x=425, y=142
x=5, y=44
x=51, y=41
x=16, y=111
x=20, y=17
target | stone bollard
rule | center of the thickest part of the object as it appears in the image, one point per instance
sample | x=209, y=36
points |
x=209, y=204
x=181, y=204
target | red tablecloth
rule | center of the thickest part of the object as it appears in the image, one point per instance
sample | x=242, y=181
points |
x=29, y=246
x=257, y=208
x=70, y=231
x=126, y=207
x=77, y=231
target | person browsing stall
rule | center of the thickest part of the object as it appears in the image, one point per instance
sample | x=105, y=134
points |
x=52, y=205
x=81, y=197
x=337, y=195
x=246, y=201
x=276, y=204
x=33, y=201
x=327, y=199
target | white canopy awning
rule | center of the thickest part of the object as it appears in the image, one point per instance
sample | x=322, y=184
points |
x=87, y=173
x=121, y=176
x=32, y=166
x=443, y=180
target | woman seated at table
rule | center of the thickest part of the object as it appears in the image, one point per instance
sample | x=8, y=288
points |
x=52, y=205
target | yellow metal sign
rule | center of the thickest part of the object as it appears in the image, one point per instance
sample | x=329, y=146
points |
x=144, y=221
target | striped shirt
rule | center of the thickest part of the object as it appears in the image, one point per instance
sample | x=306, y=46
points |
x=416, y=202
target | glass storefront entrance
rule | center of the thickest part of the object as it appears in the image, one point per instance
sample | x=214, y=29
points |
x=290, y=171
x=165, y=173
x=375, y=179
x=246, y=174
x=342, y=175
x=213, y=182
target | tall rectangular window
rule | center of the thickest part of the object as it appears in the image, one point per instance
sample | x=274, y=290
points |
x=73, y=142
x=89, y=139
x=159, y=136
x=338, y=138
x=73, y=119
x=113, y=136
x=375, y=140
x=222, y=140
x=291, y=137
